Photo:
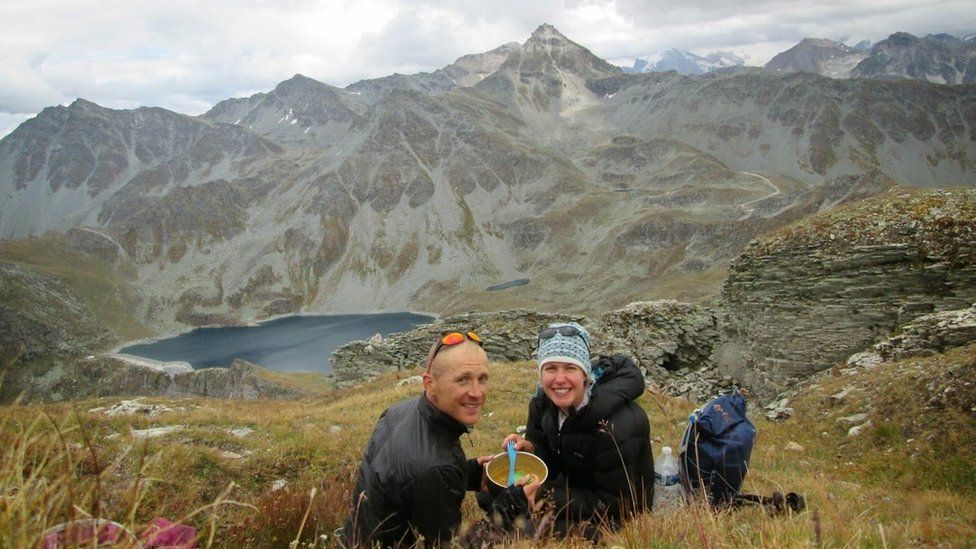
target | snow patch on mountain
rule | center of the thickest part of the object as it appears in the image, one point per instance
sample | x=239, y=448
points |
x=685, y=62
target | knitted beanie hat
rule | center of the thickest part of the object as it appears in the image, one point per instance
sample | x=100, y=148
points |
x=573, y=349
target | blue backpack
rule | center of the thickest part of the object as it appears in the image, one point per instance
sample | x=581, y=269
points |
x=715, y=449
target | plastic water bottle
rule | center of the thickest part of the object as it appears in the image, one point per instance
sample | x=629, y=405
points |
x=668, y=492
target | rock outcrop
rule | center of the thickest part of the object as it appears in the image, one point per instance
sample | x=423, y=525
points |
x=931, y=334
x=103, y=376
x=817, y=292
x=672, y=343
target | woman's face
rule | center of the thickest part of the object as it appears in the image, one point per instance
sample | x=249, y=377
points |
x=563, y=383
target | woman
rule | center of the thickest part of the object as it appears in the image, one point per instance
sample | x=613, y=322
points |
x=585, y=424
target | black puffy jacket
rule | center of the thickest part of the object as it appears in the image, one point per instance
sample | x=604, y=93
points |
x=600, y=462
x=411, y=480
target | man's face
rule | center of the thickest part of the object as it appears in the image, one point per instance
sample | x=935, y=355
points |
x=458, y=382
x=563, y=383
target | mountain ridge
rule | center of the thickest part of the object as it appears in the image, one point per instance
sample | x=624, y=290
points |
x=312, y=198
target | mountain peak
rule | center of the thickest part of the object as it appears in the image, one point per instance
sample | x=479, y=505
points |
x=83, y=104
x=549, y=47
x=545, y=30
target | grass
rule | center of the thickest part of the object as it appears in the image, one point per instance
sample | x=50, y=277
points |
x=104, y=287
x=908, y=480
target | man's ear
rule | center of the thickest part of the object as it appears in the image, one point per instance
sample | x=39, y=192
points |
x=428, y=382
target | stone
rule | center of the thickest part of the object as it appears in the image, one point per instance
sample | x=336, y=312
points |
x=795, y=447
x=227, y=454
x=865, y=359
x=856, y=418
x=278, y=484
x=779, y=413
x=132, y=407
x=839, y=398
x=858, y=429
x=241, y=432
x=156, y=431
x=931, y=333
x=412, y=380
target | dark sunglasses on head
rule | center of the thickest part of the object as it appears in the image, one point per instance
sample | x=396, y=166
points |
x=565, y=331
x=449, y=339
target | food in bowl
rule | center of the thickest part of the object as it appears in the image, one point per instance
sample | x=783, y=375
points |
x=525, y=464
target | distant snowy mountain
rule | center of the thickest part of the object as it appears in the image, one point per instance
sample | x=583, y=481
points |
x=685, y=62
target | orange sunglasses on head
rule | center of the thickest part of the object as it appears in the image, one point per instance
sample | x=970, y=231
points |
x=449, y=339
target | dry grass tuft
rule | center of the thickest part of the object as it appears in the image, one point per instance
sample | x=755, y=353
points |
x=907, y=480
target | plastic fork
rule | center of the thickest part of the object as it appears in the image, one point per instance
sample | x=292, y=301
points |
x=512, y=454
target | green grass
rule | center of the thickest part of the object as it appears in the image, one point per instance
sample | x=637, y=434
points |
x=103, y=286
x=878, y=490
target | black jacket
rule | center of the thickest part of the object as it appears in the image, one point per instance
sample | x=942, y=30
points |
x=412, y=479
x=600, y=462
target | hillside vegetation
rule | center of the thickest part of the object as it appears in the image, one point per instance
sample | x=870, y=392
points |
x=908, y=478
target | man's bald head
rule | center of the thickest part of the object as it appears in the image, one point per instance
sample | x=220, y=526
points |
x=457, y=382
x=465, y=352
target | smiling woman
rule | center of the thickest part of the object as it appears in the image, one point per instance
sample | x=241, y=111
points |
x=585, y=425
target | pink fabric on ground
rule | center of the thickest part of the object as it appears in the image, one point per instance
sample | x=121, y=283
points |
x=162, y=533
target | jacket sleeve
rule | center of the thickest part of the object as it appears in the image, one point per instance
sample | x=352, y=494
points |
x=615, y=471
x=434, y=499
x=473, y=472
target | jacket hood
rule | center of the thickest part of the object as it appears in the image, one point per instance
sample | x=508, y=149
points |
x=618, y=381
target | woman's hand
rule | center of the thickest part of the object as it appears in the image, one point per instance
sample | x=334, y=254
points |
x=521, y=444
x=530, y=485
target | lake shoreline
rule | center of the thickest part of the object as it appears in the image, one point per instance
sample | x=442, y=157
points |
x=252, y=323
x=286, y=343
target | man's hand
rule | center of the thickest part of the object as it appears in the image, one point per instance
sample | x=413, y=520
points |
x=521, y=444
x=482, y=460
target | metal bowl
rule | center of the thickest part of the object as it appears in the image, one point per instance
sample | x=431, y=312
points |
x=525, y=464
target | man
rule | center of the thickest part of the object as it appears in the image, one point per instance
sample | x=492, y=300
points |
x=413, y=475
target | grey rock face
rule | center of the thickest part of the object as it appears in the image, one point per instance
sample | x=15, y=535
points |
x=819, y=56
x=941, y=59
x=931, y=334
x=671, y=342
x=806, y=299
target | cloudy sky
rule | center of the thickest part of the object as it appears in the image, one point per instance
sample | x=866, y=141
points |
x=185, y=55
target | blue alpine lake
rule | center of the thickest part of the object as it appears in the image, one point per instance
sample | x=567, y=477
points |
x=287, y=344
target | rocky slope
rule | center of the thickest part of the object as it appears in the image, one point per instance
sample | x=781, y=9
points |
x=819, y=56
x=814, y=293
x=598, y=187
x=939, y=58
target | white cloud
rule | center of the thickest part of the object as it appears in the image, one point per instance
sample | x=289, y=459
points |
x=186, y=55
x=10, y=121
